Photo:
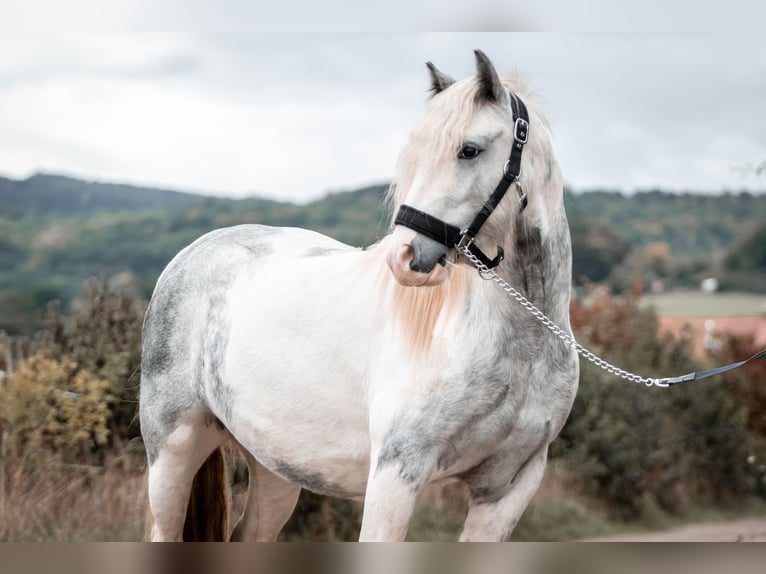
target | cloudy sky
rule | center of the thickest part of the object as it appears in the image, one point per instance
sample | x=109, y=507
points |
x=293, y=116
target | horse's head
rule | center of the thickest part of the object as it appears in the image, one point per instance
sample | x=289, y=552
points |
x=453, y=161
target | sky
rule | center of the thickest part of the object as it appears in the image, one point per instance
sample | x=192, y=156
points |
x=293, y=116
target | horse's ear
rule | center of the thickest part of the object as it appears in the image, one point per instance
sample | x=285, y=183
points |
x=491, y=88
x=439, y=81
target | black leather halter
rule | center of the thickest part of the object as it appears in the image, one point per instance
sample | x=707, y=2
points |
x=452, y=236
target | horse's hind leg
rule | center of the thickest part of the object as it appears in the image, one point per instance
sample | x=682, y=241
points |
x=270, y=502
x=171, y=473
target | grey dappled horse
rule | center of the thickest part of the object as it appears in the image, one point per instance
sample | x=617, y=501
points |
x=369, y=374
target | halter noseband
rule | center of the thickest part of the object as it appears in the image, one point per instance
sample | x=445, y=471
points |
x=452, y=236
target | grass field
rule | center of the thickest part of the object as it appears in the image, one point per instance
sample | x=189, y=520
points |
x=697, y=303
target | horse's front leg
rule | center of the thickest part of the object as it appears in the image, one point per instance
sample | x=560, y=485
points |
x=401, y=464
x=493, y=515
x=388, y=506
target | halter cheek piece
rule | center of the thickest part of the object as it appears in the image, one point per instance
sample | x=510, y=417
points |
x=452, y=236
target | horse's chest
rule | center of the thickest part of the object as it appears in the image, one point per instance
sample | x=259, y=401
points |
x=453, y=426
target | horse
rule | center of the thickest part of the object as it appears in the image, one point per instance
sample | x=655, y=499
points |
x=368, y=374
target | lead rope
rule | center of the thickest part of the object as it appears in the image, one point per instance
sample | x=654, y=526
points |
x=490, y=275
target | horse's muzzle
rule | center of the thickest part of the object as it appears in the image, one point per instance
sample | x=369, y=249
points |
x=417, y=260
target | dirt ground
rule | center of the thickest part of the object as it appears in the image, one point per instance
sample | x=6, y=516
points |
x=743, y=530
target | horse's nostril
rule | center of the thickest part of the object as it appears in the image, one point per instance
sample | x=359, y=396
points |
x=404, y=256
x=415, y=267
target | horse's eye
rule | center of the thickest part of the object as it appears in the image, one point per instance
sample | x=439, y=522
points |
x=469, y=151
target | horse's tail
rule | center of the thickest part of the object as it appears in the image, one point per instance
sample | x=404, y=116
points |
x=207, y=515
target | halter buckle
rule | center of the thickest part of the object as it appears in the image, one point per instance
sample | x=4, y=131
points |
x=521, y=130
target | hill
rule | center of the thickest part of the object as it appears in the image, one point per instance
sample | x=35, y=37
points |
x=57, y=231
x=58, y=195
x=674, y=239
x=691, y=224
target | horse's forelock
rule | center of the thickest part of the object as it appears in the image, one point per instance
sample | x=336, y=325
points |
x=435, y=139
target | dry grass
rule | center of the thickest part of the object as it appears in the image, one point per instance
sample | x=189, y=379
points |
x=560, y=511
x=107, y=503
x=73, y=502
x=439, y=514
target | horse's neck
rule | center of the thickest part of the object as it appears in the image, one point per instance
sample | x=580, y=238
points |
x=540, y=268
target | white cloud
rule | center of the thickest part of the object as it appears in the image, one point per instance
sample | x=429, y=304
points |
x=293, y=116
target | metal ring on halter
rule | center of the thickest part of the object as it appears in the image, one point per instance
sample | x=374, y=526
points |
x=486, y=274
x=483, y=271
x=522, y=193
x=465, y=241
x=507, y=168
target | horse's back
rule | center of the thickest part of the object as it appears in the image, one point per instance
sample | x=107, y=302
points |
x=243, y=244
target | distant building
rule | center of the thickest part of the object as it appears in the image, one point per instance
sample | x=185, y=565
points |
x=709, y=285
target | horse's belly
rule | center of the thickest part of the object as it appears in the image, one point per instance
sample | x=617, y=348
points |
x=314, y=435
x=320, y=456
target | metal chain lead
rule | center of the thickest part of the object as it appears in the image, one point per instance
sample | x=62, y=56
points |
x=488, y=274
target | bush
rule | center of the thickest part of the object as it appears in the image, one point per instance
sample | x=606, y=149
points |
x=635, y=447
x=51, y=409
x=103, y=337
x=749, y=392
